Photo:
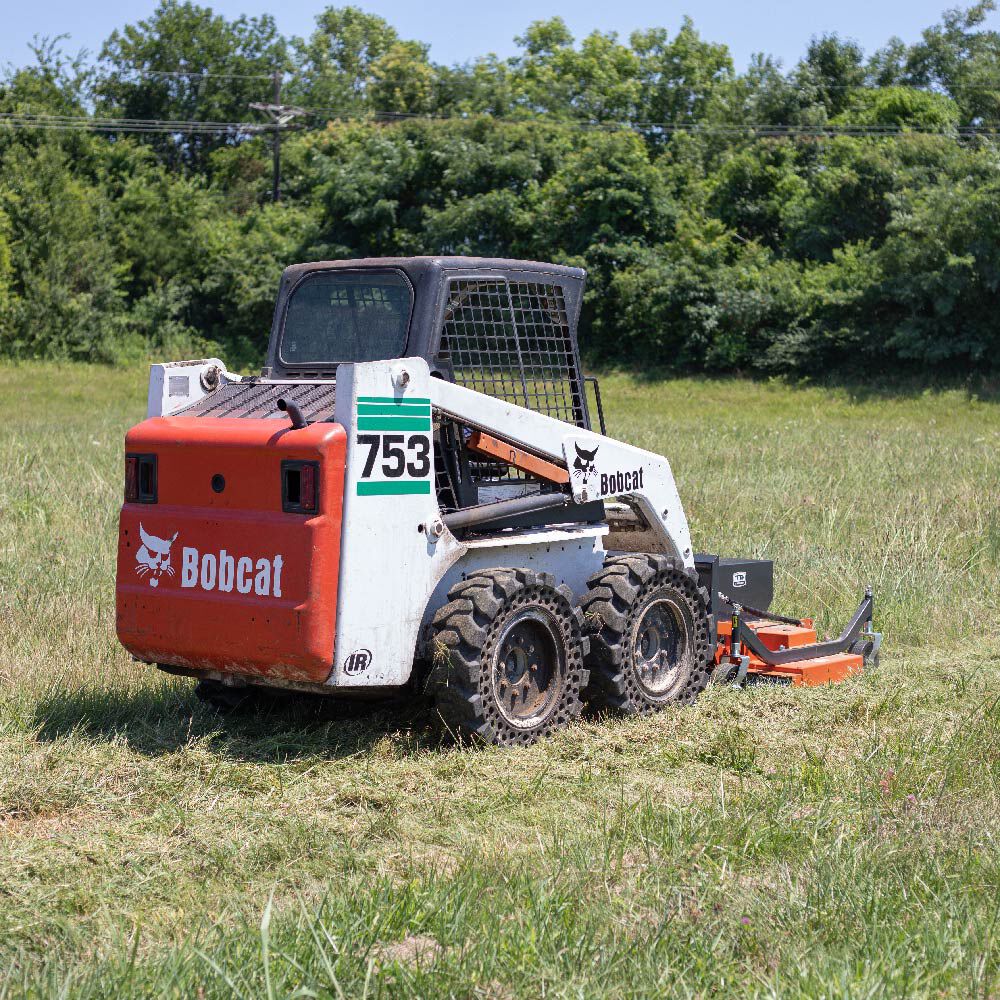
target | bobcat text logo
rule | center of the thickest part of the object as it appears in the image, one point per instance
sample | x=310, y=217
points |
x=621, y=482
x=153, y=559
x=223, y=571
x=584, y=465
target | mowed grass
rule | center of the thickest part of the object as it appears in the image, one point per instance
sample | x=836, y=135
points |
x=837, y=842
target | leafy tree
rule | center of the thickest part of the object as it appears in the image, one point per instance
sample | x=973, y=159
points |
x=751, y=189
x=832, y=69
x=185, y=63
x=901, y=107
x=55, y=85
x=942, y=275
x=403, y=80
x=597, y=82
x=710, y=249
x=604, y=191
x=963, y=60
x=65, y=278
x=678, y=76
x=761, y=96
x=334, y=67
x=844, y=197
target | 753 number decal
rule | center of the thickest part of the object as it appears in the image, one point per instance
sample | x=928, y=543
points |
x=400, y=454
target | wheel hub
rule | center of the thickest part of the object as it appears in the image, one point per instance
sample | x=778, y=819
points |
x=658, y=647
x=526, y=667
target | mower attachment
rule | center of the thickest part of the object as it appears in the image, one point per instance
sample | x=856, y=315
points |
x=780, y=651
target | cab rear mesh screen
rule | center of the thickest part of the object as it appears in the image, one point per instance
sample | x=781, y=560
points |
x=511, y=340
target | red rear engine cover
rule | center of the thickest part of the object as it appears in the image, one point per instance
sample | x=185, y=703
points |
x=225, y=580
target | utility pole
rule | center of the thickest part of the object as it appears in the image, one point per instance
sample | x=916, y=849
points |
x=281, y=115
x=276, y=144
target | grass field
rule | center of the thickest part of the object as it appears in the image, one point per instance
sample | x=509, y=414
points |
x=838, y=842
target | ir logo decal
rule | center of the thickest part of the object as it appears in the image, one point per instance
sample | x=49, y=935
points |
x=739, y=579
x=153, y=559
x=358, y=662
x=583, y=467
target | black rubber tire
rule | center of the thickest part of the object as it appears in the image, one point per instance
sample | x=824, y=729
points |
x=864, y=648
x=466, y=634
x=617, y=598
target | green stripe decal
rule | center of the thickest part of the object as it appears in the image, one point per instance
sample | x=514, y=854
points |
x=395, y=410
x=394, y=489
x=394, y=423
x=392, y=399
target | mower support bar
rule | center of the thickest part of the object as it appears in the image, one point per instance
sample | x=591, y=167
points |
x=776, y=658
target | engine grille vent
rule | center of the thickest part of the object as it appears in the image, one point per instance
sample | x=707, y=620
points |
x=259, y=399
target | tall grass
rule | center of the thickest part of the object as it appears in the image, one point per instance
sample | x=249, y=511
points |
x=835, y=842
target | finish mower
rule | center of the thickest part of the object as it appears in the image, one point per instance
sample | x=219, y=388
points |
x=412, y=497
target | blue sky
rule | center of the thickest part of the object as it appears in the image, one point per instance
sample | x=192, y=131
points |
x=458, y=31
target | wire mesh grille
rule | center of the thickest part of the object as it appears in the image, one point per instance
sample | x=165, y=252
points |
x=512, y=340
x=259, y=399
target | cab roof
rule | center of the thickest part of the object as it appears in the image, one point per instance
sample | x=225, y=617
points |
x=414, y=266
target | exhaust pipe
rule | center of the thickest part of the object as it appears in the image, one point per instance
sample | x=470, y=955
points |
x=294, y=412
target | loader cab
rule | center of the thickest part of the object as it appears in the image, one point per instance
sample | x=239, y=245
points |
x=504, y=328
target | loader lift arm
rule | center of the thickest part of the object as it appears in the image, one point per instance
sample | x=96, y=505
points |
x=653, y=492
x=597, y=467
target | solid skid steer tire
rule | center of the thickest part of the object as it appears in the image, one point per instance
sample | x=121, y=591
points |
x=507, y=657
x=647, y=619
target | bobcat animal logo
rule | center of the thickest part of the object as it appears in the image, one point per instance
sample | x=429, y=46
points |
x=584, y=467
x=153, y=559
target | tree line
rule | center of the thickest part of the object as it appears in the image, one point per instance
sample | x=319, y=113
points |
x=843, y=214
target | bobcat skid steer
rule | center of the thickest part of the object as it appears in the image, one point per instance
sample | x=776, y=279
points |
x=412, y=497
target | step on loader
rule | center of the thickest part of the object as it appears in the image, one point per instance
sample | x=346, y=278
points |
x=413, y=496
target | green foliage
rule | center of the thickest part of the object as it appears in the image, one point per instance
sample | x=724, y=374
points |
x=904, y=107
x=217, y=59
x=706, y=249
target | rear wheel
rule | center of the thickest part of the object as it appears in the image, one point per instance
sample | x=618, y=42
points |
x=647, y=620
x=508, y=657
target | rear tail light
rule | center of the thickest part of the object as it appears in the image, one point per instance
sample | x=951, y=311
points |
x=140, y=479
x=300, y=487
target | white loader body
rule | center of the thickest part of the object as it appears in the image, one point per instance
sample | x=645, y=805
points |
x=398, y=559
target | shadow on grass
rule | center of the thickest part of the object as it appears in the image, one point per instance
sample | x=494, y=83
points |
x=161, y=719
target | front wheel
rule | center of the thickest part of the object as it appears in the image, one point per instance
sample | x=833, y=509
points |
x=647, y=620
x=507, y=658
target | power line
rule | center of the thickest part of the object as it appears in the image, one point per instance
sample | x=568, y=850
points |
x=79, y=123
x=199, y=74
x=668, y=128
x=750, y=129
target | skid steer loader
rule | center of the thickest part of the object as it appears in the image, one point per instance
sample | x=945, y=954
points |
x=412, y=496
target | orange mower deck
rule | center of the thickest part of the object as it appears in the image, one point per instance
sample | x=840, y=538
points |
x=777, y=636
